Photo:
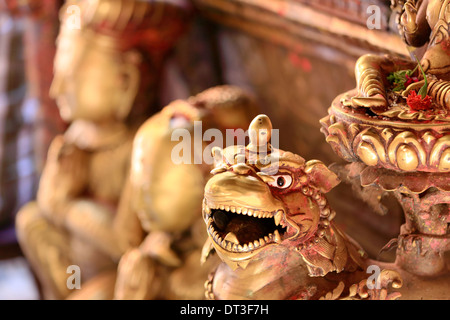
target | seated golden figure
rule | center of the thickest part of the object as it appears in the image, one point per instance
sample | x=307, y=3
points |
x=159, y=223
x=422, y=24
x=104, y=80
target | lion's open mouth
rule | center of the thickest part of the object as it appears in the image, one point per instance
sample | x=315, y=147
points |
x=239, y=229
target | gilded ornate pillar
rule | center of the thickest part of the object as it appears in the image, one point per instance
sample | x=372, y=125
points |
x=395, y=129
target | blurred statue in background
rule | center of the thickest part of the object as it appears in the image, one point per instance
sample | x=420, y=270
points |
x=424, y=25
x=160, y=222
x=106, y=69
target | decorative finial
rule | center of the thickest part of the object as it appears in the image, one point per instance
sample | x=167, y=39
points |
x=260, y=132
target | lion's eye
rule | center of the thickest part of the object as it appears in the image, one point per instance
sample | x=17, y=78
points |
x=282, y=181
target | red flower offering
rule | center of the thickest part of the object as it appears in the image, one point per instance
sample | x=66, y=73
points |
x=416, y=102
x=409, y=80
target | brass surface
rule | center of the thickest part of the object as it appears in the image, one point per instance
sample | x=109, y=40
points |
x=270, y=223
x=401, y=149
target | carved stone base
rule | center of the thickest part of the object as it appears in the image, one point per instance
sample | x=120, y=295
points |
x=424, y=239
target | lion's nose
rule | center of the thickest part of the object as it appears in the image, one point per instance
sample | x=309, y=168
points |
x=241, y=169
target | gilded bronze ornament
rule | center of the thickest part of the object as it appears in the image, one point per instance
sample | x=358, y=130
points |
x=395, y=130
x=127, y=197
x=269, y=221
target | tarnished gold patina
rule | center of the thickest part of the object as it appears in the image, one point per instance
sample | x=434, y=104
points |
x=421, y=23
x=399, y=140
x=269, y=221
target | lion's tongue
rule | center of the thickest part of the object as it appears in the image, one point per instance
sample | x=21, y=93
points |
x=245, y=229
x=231, y=237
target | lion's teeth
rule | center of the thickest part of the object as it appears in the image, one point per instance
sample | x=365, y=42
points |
x=277, y=236
x=278, y=217
x=230, y=241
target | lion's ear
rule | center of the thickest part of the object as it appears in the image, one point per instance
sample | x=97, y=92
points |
x=320, y=176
